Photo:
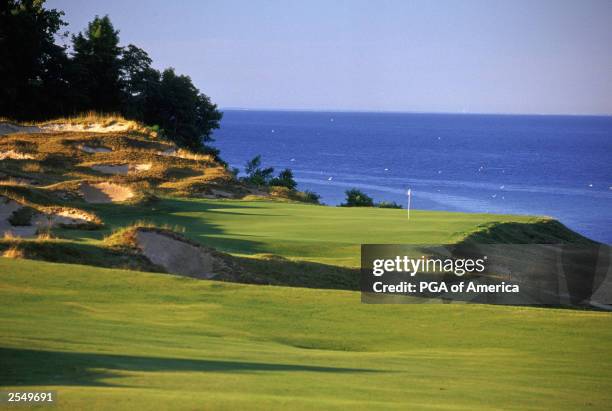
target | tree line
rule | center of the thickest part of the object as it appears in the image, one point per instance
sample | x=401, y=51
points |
x=41, y=79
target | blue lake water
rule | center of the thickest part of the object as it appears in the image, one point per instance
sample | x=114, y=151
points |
x=559, y=166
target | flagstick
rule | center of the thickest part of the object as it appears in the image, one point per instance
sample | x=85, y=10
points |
x=409, y=198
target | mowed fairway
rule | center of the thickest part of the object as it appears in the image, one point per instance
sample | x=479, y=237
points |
x=330, y=235
x=111, y=339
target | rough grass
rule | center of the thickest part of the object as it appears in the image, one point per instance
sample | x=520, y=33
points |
x=83, y=118
x=48, y=248
x=114, y=339
x=124, y=237
x=67, y=156
x=44, y=201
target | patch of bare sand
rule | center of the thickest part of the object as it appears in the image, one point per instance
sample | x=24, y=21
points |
x=105, y=192
x=90, y=127
x=92, y=150
x=94, y=127
x=39, y=221
x=7, y=208
x=68, y=217
x=136, y=168
x=15, y=155
x=9, y=128
x=176, y=256
x=122, y=169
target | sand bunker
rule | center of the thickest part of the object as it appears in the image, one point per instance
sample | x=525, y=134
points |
x=69, y=217
x=135, y=168
x=8, y=128
x=15, y=155
x=39, y=220
x=122, y=169
x=91, y=127
x=175, y=255
x=90, y=149
x=105, y=192
x=7, y=207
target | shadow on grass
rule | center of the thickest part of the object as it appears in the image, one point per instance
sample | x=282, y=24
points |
x=59, y=251
x=22, y=367
x=274, y=270
x=263, y=269
x=539, y=232
x=174, y=212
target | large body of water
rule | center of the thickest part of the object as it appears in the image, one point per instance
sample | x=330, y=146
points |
x=560, y=166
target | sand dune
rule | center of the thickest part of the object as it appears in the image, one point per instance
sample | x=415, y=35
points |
x=105, y=192
x=176, y=256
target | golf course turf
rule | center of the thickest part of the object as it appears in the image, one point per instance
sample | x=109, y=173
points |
x=129, y=339
x=330, y=235
x=122, y=339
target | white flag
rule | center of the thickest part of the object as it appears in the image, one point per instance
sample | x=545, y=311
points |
x=409, y=193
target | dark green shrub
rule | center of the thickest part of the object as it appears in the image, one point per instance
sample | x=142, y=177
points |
x=284, y=179
x=257, y=175
x=388, y=204
x=311, y=197
x=22, y=217
x=356, y=198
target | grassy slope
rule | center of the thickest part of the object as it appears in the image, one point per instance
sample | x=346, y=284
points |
x=125, y=340
x=330, y=235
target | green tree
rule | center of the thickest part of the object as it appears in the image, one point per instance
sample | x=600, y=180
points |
x=98, y=66
x=141, y=84
x=284, y=179
x=178, y=107
x=356, y=198
x=257, y=175
x=39, y=80
x=33, y=68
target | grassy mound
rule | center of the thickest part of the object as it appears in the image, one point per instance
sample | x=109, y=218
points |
x=58, y=250
x=538, y=231
x=97, y=148
x=90, y=121
x=27, y=210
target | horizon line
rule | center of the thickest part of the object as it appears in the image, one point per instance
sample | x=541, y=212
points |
x=336, y=110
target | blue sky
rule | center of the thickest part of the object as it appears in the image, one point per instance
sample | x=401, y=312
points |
x=489, y=56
